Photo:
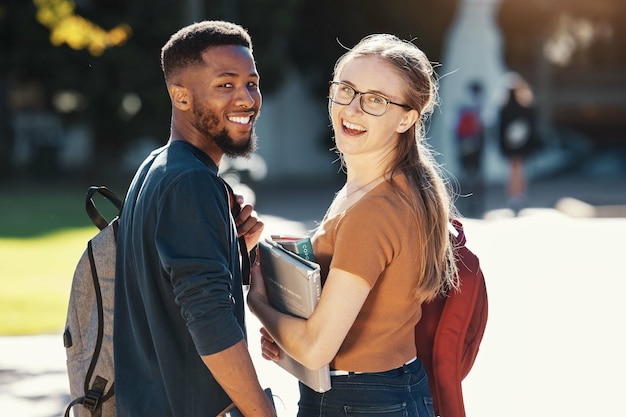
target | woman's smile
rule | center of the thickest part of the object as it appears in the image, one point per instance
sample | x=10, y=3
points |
x=353, y=129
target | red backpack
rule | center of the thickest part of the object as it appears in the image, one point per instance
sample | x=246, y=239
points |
x=469, y=124
x=450, y=331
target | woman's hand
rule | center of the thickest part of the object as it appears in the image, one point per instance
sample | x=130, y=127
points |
x=269, y=348
x=257, y=283
x=257, y=294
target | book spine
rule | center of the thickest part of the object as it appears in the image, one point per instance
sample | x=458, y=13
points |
x=301, y=247
x=304, y=248
x=316, y=283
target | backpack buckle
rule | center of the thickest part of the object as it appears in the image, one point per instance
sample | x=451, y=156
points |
x=94, y=395
x=92, y=399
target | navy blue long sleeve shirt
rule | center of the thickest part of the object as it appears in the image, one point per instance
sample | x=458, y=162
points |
x=178, y=291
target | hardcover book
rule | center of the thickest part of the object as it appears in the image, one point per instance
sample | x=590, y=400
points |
x=300, y=245
x=293, y=287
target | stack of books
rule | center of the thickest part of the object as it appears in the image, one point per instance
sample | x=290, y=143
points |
x=293, y=284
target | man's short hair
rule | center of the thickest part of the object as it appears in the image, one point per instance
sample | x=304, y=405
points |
x=185, y=47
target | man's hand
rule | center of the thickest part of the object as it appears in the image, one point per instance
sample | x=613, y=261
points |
x=234, y=371
x=248, y=223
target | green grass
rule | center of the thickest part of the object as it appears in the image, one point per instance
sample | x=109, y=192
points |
x=42, y=236
x=36, y=279
x=27, y=211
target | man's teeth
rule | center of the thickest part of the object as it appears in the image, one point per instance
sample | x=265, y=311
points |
x=240, y=119
x=352, y=126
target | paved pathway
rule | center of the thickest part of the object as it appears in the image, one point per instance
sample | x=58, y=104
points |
x=554, y=342
x=33, y=382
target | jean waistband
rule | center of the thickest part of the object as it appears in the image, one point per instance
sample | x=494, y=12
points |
x=339, y=372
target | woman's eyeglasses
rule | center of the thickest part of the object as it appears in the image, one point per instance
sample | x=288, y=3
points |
x=371, y=103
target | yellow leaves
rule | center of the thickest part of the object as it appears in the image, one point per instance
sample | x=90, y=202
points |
x=119, y=34
x=75, y=31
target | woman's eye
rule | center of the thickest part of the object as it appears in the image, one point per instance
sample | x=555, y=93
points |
x=376, y=99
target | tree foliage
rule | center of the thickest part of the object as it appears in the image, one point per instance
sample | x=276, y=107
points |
x=77, y=32
x=106, y=51
x=582, y=46
x=573, y=35
x=327, y=27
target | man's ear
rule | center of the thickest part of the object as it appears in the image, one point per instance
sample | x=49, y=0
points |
x=408, y=120
x=181, y=99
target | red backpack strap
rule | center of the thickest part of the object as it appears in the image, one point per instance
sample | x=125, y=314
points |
x=460, y=239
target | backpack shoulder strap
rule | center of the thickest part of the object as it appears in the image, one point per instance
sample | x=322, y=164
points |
x=90, y=206
x=243, y=247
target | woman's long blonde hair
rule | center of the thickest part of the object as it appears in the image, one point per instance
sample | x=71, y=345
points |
x=431, y=199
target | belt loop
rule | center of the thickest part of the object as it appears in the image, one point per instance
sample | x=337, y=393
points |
x=405, y=367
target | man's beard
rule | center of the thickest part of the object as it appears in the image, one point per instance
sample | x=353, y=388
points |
x=207, y=122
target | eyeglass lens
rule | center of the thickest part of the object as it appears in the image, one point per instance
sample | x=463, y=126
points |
x=371, y=103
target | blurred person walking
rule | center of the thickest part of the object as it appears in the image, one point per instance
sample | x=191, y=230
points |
x=383, y=245
x=470, y=138
x=179, y=334
x=517, y=137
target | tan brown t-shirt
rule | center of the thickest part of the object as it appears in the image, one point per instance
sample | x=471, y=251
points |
x=376, y=239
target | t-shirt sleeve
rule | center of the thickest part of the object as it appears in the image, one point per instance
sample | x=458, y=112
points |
x=367, y=238
x=193, y=240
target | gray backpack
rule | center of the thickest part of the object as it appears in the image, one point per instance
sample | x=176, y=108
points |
x=88, y=335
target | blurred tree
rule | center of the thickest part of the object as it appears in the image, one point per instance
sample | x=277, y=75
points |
x=115, y=85
x=574, y=52
x=100, y=81
x=74, y=30
x=575, y=34
x=327, y=27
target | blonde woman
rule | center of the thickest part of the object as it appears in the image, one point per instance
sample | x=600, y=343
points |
x=383, y=245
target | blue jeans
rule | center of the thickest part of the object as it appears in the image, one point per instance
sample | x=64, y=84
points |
x=401, y=392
